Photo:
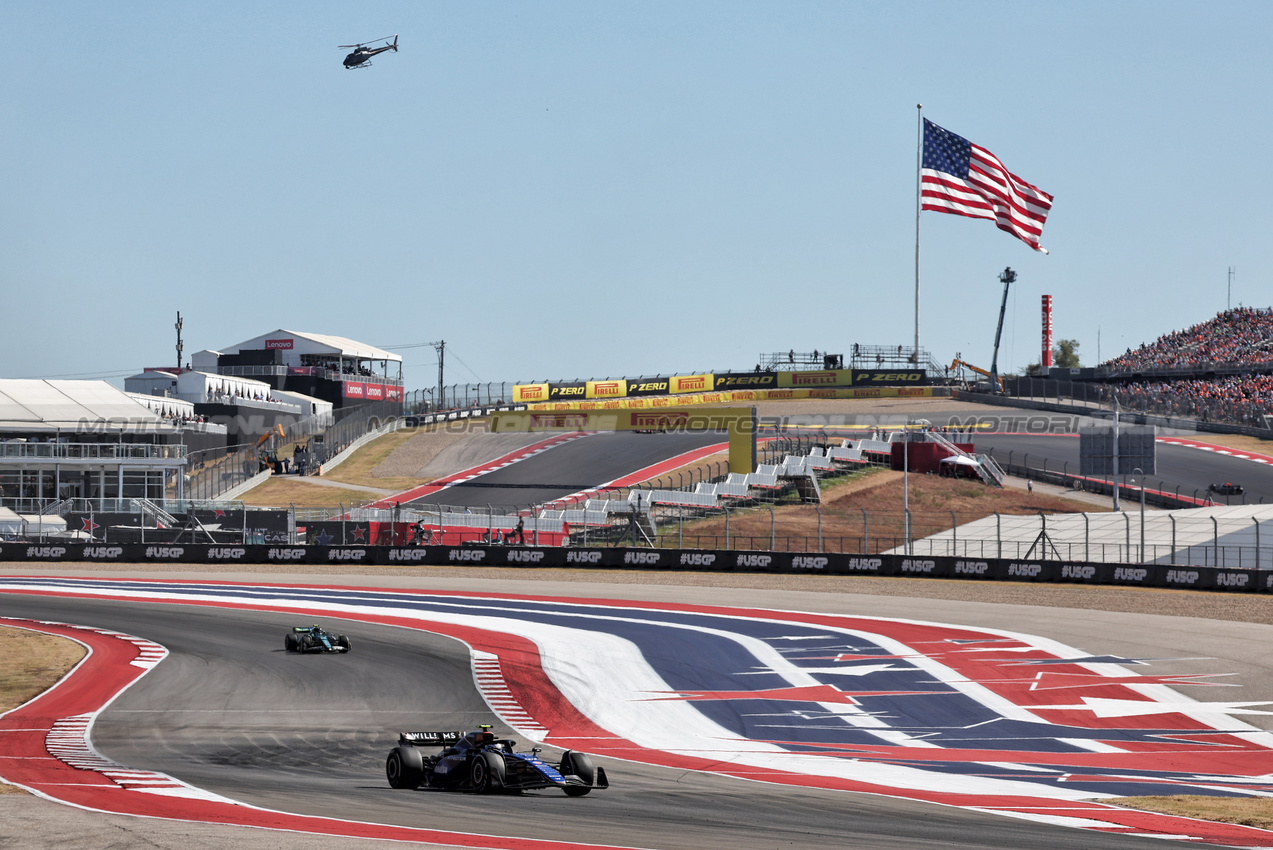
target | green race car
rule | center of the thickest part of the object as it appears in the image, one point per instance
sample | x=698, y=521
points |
x=314, y=639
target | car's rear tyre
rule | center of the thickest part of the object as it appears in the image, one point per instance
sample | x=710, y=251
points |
x=343, y=642
x=577, y=764
x=289, y=642
x=404, y=768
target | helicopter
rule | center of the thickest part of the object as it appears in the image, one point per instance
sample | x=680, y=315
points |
x=361, y=57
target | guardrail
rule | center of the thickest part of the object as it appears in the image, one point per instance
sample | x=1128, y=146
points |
x=23, y=450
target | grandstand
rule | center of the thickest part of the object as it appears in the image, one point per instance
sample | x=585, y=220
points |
x=1220, y=370
x=1240, y=338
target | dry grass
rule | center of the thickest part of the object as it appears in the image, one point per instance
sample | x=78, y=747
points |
x=879, y=493
x=31, y=663
x=358, y=469
x=1246, y=811
x=288, y=490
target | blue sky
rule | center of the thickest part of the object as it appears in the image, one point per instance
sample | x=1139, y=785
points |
x=579, y=189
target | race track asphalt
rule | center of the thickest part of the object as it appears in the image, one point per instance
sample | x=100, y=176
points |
x=568, y=469
x=232, y=713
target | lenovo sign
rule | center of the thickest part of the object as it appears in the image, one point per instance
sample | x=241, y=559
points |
x=279, y=343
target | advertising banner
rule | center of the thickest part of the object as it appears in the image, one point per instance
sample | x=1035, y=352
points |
x=1018, y=570
x=811, y=380
x=746, y=380
x=648, y=386
x=606, y=389
x=690, y=383
x=371, y=391
x=888, y=377
x=530, y=392
x=573, y=391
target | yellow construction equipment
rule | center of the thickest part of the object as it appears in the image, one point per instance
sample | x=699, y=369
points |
x=957, y=364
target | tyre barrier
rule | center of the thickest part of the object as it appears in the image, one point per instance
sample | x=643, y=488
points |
x=696, y=560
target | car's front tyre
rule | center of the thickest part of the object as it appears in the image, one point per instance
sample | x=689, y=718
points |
x=578, y=765
x=486, y=773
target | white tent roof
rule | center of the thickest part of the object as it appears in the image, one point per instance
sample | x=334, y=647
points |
x=34, y=404
x=316, y=344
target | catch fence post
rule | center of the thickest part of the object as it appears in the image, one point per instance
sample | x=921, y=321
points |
x=1172, y=517
x=1127, y=523
x=1215, y=531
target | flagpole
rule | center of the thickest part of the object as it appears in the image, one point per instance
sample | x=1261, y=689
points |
x=919, y=191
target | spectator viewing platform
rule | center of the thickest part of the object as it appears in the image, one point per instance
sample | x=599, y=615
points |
x=332, y=368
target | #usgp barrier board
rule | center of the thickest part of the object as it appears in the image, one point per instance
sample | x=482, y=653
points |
x=809, y=563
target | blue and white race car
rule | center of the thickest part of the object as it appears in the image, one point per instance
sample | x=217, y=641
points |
x=481, y=763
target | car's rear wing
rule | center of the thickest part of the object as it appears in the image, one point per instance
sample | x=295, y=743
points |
x=441, y=739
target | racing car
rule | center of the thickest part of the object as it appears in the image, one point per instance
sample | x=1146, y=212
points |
x=314, y=639
x=478, y=762
x=1228, y=488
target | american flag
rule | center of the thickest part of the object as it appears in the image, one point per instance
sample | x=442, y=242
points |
x=961, y=178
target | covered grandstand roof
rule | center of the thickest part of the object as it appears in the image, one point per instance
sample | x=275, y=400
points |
x=311, y=343
x=27, y=405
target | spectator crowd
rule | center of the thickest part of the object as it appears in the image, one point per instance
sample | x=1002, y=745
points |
x=1242, y=336
x=1239, y=399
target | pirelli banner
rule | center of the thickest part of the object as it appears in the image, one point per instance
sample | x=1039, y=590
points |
x=810, y=384
x=530, y=393
x=734, y=396
x=678, y=384
x=810, y=380
x=606, y=389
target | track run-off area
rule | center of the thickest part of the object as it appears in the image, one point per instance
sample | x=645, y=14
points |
x=959, y=733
